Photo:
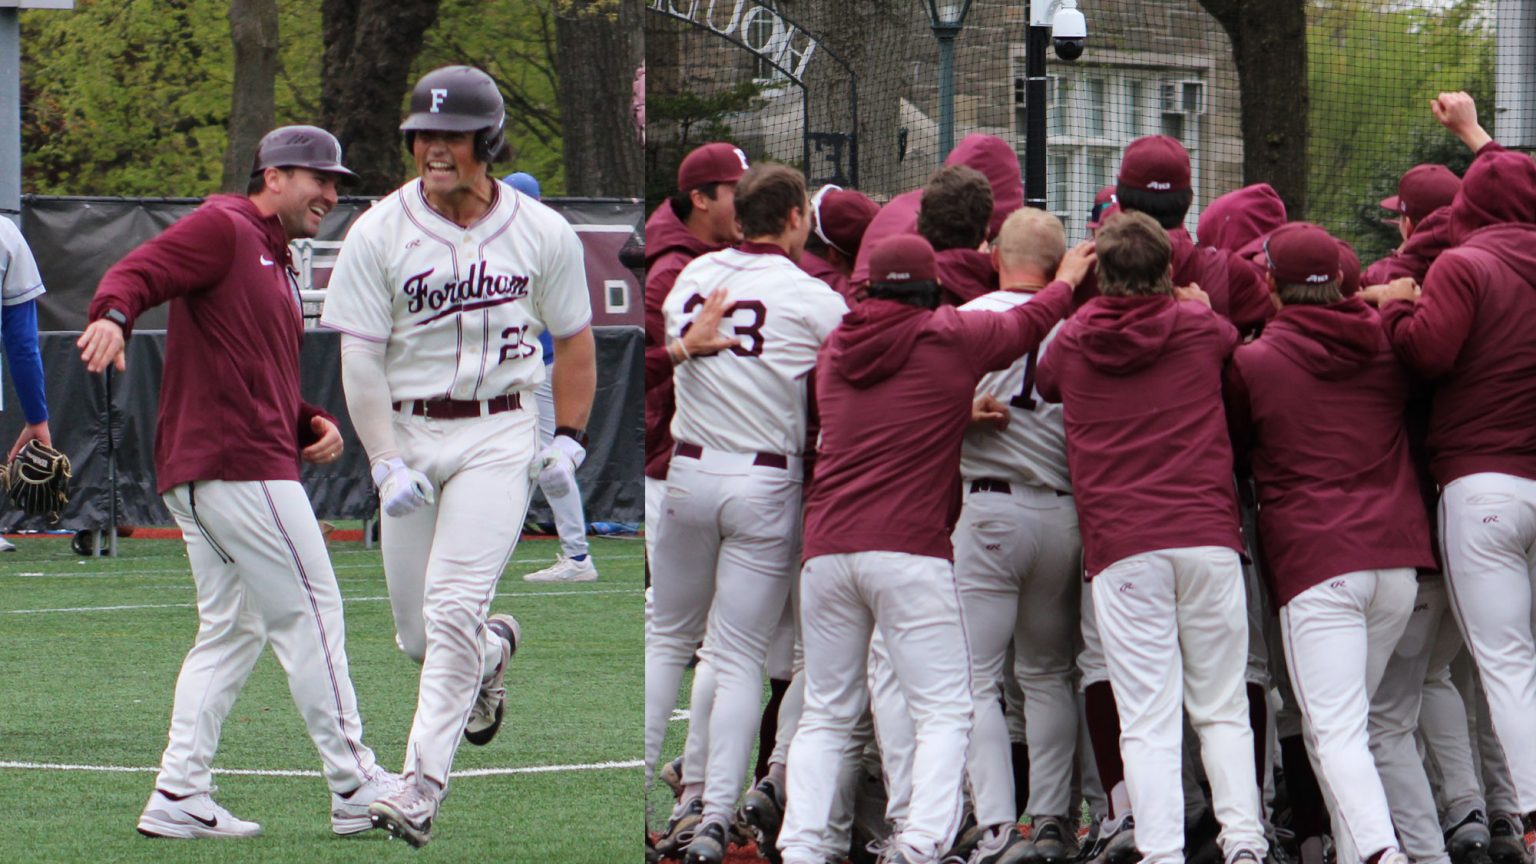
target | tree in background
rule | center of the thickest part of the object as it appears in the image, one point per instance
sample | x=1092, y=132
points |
x=1373, y=67
x=252, y=105
x=600, y=45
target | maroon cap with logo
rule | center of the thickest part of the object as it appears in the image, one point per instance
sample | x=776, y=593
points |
x=717, y=162
x=901, y=259
x=1301, y=253
x=841, y=217
x=1101, y=202
x=1155, y=163
x=1423, y=190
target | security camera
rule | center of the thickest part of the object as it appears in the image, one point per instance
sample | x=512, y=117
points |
x=1069, y=32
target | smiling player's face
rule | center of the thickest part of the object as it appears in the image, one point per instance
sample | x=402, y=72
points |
x=446, y=162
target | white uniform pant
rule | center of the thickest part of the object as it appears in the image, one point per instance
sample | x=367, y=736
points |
x=655, y=492
x=1487, y=755
x=442, y=563
x=1175, y=631
x=570, y=519
x=914, y=602
x=262, y=573
x=1488, y=537
x=1402, y=717
x=726, y=544
x=1018, y=564
x=1339, y=635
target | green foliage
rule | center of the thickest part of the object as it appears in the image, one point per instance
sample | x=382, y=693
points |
x=678, y=122
x=1372, y=68
x=130, y=97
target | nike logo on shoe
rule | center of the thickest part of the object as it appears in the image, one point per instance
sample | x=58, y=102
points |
x=211, y=823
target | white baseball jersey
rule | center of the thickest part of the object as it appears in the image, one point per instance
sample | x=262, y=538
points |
x=1033, y=449
x=751, y=398
x=460, y=308
x=19, y=279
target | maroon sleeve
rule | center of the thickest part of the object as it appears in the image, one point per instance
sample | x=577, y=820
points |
x=1048, y=368
x=1239, y=410
x=307, y=414
x=658, y=283
x=191, y=255
x=1428, y=335
x=999, y=338
x=1248, y=304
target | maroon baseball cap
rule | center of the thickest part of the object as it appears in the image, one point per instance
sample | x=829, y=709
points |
x=1423, y=190
x=1349, y=270
x=1156, y=163
x=841, y=217
x=1302, y=253
x=901, y=259
x=1101, y=202
x=716, y=162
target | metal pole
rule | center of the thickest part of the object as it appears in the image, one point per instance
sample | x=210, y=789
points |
x=1037, y=40
x=946, y=36
x=10, y=114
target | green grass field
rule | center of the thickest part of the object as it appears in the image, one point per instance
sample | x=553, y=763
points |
x=89, y=651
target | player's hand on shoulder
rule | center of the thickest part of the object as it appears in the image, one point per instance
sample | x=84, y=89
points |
x=1075, y=266
x=1193, y=293
x=988, y=410
x=555, y=466
x=100, y=344
x=1402, y=288
x=402, y=490
x=702, y=337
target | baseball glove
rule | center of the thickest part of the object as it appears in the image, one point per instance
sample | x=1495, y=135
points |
x=37, y=480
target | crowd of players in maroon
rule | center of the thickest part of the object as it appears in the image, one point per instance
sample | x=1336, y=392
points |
x=1449, y=336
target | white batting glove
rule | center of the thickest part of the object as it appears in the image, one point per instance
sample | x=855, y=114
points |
x=401, y=489
x=555, y=466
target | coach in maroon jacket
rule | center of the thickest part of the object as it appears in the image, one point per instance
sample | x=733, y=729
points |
x=1471, y=332
x=894, y=382
x=1320, y=400
x=228, y=441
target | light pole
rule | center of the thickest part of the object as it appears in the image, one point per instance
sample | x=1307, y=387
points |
x=947, y=19
x=1070, y=32
x=10, y=99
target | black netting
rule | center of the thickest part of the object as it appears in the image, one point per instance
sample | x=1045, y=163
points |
x=1337, y=92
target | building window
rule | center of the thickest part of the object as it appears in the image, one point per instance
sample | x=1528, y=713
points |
x=1093, y=109
x=1133, y=103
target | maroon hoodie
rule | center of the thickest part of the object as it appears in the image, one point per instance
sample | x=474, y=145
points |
x=964, y=275
x=229, y=399
x=894, y=384
x=1319, y=399
x=817, y=266
x=1471, y=330
x=1147, y=442
x=990, y=155
x=1429, y=238
x=1238, y=218
x=669, y=246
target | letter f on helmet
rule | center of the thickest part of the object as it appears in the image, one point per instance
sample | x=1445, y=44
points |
x=438, y=95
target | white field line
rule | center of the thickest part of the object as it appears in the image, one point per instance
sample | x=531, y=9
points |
x=344, y=600
x=262, y=772
x=182, y=571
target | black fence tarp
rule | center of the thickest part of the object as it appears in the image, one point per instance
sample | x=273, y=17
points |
x=77, y=402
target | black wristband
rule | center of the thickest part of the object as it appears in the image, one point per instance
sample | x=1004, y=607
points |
x=116, y=316
x=571, y=432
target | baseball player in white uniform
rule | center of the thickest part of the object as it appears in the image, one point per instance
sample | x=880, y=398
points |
x=1018, y=559
x=440, y=292
x=728, y=535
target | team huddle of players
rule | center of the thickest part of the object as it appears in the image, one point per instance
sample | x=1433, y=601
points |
x=1000, y=519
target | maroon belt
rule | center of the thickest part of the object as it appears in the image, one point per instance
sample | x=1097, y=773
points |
x=992, y=484
x=461, y=409
x=766, y=460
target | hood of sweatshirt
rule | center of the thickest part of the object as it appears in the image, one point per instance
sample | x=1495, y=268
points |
x=1240, y=217
x=874, y=341
x=996, y=159
x=1500, y=187
x=665, y=233
x=1329, y=342
x=1121, y=335
x=1513, y=242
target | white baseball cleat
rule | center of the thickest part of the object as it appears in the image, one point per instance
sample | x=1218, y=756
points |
x=191, y=817
x=8, y=546
x=349, y=815
x=565, y=570
x=408, y=812
x=490, y=702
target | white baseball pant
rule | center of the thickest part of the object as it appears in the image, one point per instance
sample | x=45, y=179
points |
x=1339, y=635
x=262, y=573
x=1488, y=538
x=1498, y=787
x=570, y=518
x=914, y=602
x=1174, y=628
x=894, y=731
x=1399, y=707
x=726, y=544
x=442, y=563
x=655, y=493
x=1018, y=565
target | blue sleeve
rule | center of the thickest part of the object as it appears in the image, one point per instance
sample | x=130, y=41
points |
x=548, y=343
x=18, y=329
